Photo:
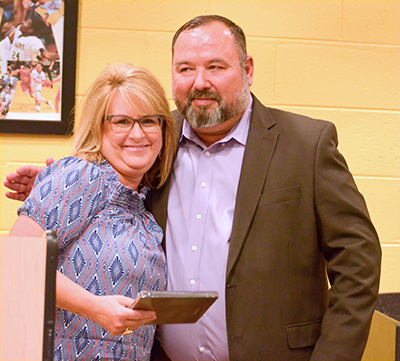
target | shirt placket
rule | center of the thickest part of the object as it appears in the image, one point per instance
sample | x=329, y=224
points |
x=198, y=219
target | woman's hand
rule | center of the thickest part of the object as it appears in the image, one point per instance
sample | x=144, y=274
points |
x=114, y=315
x=110, y=312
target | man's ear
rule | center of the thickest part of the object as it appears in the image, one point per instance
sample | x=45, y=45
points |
x=250, y=69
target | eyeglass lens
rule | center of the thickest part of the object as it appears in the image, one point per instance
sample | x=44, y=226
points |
x=124, y=123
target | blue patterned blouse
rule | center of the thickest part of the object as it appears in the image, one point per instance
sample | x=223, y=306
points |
x=108, y=243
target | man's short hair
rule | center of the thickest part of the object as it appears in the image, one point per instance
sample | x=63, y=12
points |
x=202, y=20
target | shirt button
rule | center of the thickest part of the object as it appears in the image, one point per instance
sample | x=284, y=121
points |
x=194, y=248
x=202, y=349
x=192, y=282
x=207, y=153
x=222, y=144
x=203, y=184
x=198, y=216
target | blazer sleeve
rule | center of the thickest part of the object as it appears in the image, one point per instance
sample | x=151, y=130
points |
x=352, y=251
x=157, y=352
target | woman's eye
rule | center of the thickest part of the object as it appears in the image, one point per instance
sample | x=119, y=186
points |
x=148, y=121
x=122, y=121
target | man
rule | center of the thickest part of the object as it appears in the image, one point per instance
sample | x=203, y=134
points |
x=47, y=9
x=37, y=78
x=28, y=47
x=261, y=208
x=9, y=31
x=5, y=50
x=26, y=80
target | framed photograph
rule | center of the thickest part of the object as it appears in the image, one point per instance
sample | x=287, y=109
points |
x=38, y=63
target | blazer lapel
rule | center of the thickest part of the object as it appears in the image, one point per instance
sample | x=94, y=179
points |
x=259, y=150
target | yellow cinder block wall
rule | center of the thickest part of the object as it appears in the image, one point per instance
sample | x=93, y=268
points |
x=335, y=60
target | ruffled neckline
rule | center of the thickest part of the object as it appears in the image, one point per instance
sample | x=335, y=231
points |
x=121, y=195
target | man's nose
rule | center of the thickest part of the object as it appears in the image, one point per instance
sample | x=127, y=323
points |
x=201, y=81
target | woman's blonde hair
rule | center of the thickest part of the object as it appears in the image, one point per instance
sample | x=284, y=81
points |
x=144, y=93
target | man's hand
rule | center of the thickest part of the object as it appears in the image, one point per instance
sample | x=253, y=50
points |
x=21, y=182
x=49, y=55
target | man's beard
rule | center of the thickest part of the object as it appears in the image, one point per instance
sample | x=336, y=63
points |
x=205, y=119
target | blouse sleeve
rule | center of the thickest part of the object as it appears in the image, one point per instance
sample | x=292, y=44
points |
x=66, y=197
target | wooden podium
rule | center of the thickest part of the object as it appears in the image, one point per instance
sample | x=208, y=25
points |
x=384, y=337
x=28, y=277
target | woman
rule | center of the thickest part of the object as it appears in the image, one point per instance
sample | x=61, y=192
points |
x=109, y=245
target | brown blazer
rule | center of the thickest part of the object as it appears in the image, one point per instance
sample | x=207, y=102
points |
x=298, y=218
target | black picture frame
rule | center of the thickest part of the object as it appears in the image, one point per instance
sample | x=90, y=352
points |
x=60, y=122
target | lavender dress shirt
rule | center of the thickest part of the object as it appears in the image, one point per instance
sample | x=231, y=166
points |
x=200, y=214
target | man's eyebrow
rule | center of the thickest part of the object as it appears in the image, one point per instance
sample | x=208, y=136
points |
x=217, y=60
x=182, y=62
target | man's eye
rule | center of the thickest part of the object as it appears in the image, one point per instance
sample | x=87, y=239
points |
x=215, y=67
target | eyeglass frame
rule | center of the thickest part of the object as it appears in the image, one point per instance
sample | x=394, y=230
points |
x=161, y=119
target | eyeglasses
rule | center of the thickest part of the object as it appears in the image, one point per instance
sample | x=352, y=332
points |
x=123, y=124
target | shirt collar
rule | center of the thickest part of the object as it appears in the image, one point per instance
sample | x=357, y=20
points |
x=238, y=132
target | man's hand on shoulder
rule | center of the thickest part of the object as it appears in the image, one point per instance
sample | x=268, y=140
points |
x=21, y=182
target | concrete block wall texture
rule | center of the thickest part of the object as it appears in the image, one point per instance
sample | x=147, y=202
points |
x=335, y=60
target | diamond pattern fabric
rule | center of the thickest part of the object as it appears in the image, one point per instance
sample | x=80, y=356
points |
x=108, y=243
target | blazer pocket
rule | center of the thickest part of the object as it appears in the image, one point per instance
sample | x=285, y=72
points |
x=280, y=195
x=303, y=334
